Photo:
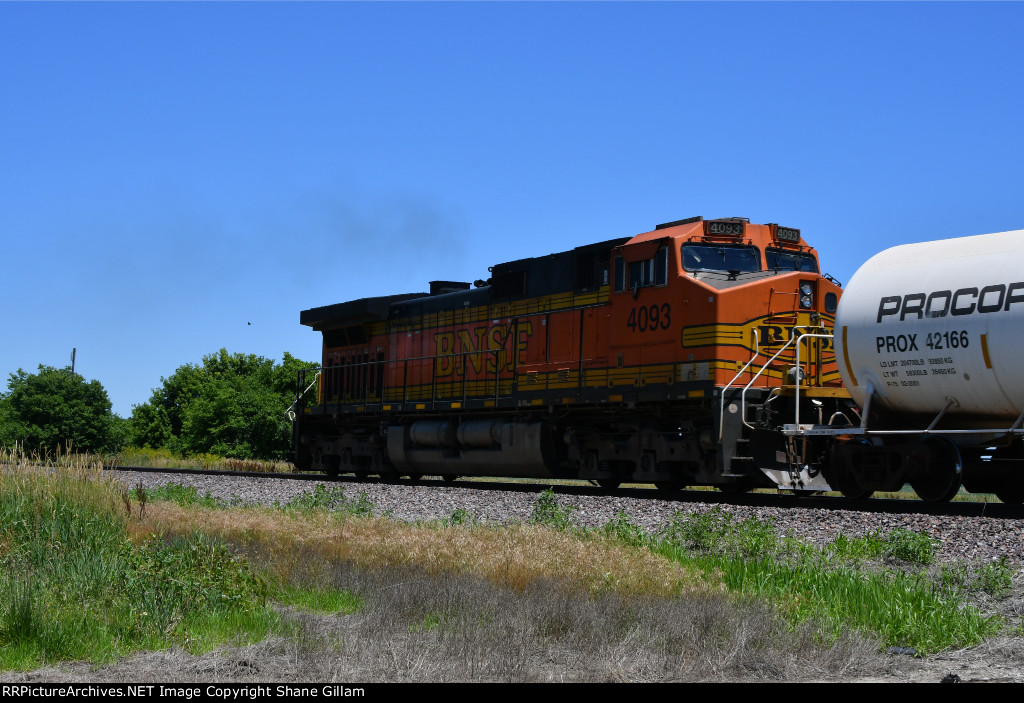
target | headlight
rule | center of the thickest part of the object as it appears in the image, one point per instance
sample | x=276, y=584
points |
x=806, y=295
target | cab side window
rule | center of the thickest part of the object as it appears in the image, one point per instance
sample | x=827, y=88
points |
x=647, y=272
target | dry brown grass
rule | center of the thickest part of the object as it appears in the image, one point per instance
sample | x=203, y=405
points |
x=78, y=478
x=515, y=556
x=523, y=603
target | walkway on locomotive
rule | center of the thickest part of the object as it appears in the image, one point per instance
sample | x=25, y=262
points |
x=670, y=314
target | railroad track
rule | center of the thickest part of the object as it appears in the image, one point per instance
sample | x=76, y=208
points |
x=709, y=497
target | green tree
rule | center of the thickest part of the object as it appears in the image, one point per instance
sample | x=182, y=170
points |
x=56, y=408
x=230, y=404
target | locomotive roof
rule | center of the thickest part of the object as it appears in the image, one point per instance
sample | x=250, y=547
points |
x=353, y=312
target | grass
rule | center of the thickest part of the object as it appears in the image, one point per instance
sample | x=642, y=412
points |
x=321, y=600
x=92, y=570
x=76, y=582
x=164, y=459
x=832, y=586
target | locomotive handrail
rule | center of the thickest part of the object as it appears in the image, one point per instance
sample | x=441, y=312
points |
x=290, y=412
x=793, y=341
x=743, y=394
x=403, y=363
x=799, y=339
x=721, y=417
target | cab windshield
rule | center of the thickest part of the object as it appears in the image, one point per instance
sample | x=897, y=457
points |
x=782, y=260
x=721, y=257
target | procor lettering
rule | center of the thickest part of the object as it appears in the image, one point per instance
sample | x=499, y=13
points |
x=896, y=343
x=940, y=303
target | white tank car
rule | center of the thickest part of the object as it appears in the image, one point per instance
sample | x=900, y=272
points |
x=935, y=324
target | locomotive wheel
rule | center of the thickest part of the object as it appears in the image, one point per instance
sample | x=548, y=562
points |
x=736, y=488
x=943, y=479
x=669, y=486
x=331, y=466
x=609, y=484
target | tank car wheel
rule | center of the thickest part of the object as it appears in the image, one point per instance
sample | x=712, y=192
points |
x=943, y=480
x=449, y=478
x=608, y=484
x=849, y=487
x=362, y=475
x=415, y=477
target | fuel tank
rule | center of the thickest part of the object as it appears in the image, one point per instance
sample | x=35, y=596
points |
x=938, y=323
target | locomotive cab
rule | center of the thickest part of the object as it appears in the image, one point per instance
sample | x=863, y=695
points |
x=728, y=302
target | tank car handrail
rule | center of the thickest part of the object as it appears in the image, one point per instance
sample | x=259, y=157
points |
x=797, y=429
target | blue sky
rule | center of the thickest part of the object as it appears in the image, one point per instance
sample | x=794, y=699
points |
x=180, y=177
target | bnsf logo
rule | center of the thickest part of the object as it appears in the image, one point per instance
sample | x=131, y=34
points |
x=965, y=301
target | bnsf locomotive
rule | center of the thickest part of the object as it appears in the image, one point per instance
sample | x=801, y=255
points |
x=676, y=357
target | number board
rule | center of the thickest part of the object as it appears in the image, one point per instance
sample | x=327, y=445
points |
x=787, y=234
x=730, y=228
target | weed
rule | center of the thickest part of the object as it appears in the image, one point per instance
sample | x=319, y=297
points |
x=912, y=547
x=329, y=499
x=18, y=617
x=625, y=530
x=547, y=511
x=855, y=549
x=361, y=506
x=140, y=495
x=182, y=495
x=430, y=621
x=459, y=516
x=994, y=578
x=714, y=533
x=163, y=458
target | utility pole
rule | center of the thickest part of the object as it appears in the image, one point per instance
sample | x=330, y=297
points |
x=73, y=350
